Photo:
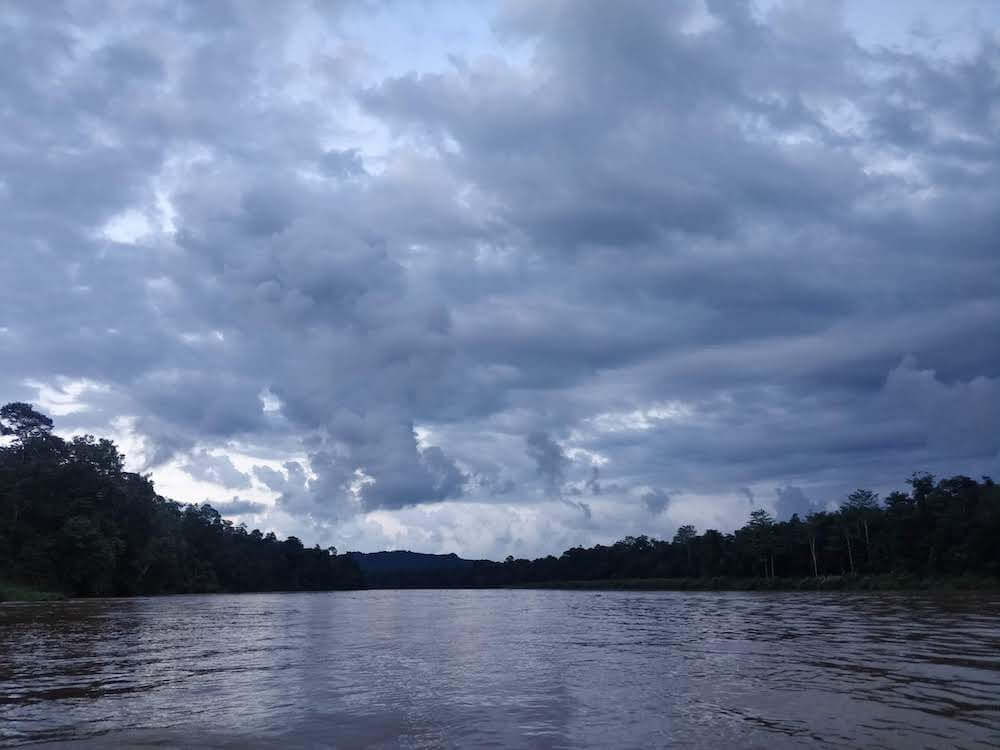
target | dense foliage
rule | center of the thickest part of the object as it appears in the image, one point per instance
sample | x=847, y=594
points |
x=948, y=528
x=73, y=520
x=936, y=529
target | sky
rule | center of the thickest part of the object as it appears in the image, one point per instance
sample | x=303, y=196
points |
x=506, y=278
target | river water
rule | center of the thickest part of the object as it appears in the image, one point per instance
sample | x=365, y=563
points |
x=500, y=668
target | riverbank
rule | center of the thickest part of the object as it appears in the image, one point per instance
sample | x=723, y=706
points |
x=18, y=593
x=15, y=592
x=822, y=583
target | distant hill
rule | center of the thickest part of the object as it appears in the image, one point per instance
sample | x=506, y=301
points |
x=403, y=561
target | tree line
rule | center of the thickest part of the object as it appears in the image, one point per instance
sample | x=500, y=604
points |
x=72, y=520
x=944, y=528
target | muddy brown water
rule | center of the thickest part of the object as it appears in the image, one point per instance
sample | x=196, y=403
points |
x=504, y=668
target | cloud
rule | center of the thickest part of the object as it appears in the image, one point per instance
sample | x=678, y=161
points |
x=238, y=507
x=953, y=419
x=584, y=508
x=656, y=501
x=270, y=478
x=550, y=460
x=792, y=501
x=447, y=479
x=593, y=484
x=343, y=164
x=699, y=246
x=207, y=467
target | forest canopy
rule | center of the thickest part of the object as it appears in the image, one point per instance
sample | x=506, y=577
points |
x=936, y=529
x=73, y=520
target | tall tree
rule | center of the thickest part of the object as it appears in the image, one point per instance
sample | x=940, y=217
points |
x=858, y=509
x=685, y=537
x=762, y=532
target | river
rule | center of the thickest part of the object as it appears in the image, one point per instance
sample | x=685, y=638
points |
x=504, y=668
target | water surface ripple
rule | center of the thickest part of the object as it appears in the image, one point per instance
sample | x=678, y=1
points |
x=546, y=669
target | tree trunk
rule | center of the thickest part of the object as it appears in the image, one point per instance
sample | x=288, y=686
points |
x=812, y=549
x=850, y=552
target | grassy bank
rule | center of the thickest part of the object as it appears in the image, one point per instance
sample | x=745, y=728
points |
x=822, y=583
x=15, y=592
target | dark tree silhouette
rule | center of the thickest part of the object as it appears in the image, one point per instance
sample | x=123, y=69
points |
x=944, y=528
x=72, y=519
x=22, y=420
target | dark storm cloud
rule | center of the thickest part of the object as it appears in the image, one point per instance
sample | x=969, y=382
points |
x=656, y=501
x=550, y=460
x=661, y=116
x=786, y=236
x=594, y=484
x=238, y=507
x=218, y=469
x=270, y=478
x=404, y=474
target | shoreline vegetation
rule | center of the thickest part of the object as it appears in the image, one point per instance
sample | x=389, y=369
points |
x=884, y=583
x=13, y=592
x=74, y=523
x=823, y=583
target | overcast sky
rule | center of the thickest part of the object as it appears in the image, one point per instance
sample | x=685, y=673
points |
x=506, y=278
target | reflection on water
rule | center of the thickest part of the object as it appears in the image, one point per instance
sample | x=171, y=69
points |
x=545, y=669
